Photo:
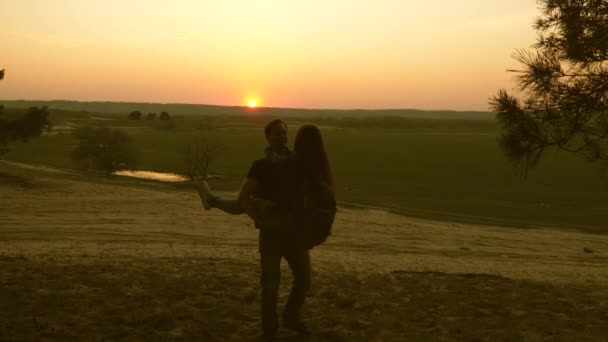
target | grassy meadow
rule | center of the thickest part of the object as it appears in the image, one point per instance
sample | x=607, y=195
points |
x=448, y=169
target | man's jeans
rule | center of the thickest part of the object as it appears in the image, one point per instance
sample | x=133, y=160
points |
x=274, y=245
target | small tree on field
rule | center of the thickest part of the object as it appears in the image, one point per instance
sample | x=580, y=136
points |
x=565, y=86
x=199, y=153
x=135, y=115
x=31, y=125
x=151, y=116
x=103, y=148
x=165, y=116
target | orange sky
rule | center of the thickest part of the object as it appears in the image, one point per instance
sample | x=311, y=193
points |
x=315, y=54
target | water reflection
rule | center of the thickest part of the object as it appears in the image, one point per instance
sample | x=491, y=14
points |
x=164, y=177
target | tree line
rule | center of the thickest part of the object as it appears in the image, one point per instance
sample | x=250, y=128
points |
x=137, y=115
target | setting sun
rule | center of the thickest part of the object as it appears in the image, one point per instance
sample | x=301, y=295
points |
x=252, y=104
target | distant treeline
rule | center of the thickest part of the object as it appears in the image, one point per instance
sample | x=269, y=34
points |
x=213, y=121
x=196, y=109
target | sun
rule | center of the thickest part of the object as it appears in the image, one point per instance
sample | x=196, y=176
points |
x=253, y=104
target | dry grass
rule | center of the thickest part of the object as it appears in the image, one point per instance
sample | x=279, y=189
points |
x=212, y=299
x=83, y=260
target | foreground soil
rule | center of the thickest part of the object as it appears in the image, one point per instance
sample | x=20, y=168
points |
x=95, y=259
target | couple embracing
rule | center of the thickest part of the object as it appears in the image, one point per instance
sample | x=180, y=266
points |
x=290, y=197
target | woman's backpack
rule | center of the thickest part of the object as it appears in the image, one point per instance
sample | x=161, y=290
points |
x=315, y=210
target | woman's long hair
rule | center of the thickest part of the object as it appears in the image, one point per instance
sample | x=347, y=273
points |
x=312, y=156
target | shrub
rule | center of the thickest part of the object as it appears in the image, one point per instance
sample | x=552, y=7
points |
x=103, y=148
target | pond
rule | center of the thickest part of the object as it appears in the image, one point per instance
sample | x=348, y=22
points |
x=160, y=176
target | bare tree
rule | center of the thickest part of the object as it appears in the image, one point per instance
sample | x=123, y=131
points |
x=200, y=152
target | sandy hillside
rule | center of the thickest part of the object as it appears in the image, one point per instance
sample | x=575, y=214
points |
x=125, y=260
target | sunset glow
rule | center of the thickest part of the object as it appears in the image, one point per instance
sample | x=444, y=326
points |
x=252, y=104
x=433, y=54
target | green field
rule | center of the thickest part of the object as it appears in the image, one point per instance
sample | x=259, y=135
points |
x=441, y=169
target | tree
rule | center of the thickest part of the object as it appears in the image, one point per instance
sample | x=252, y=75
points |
x=564, y=85
x=151, y=116
x=135, y=115
x=103, y=148
x=31, y=125
x=165, y=116
x=199, y=153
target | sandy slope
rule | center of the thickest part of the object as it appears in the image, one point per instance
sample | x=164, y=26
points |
x=55, y=213
x=65, y=221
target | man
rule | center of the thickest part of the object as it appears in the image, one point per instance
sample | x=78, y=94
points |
x=272, y=179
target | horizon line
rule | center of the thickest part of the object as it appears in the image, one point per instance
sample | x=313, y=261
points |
x=249, y=108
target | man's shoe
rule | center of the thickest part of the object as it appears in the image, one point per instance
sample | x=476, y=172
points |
x=296, y=325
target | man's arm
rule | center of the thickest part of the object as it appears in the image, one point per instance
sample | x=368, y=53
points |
x=248, y=188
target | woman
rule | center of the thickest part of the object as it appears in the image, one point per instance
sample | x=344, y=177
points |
x=279, y=234
x=311, y=156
